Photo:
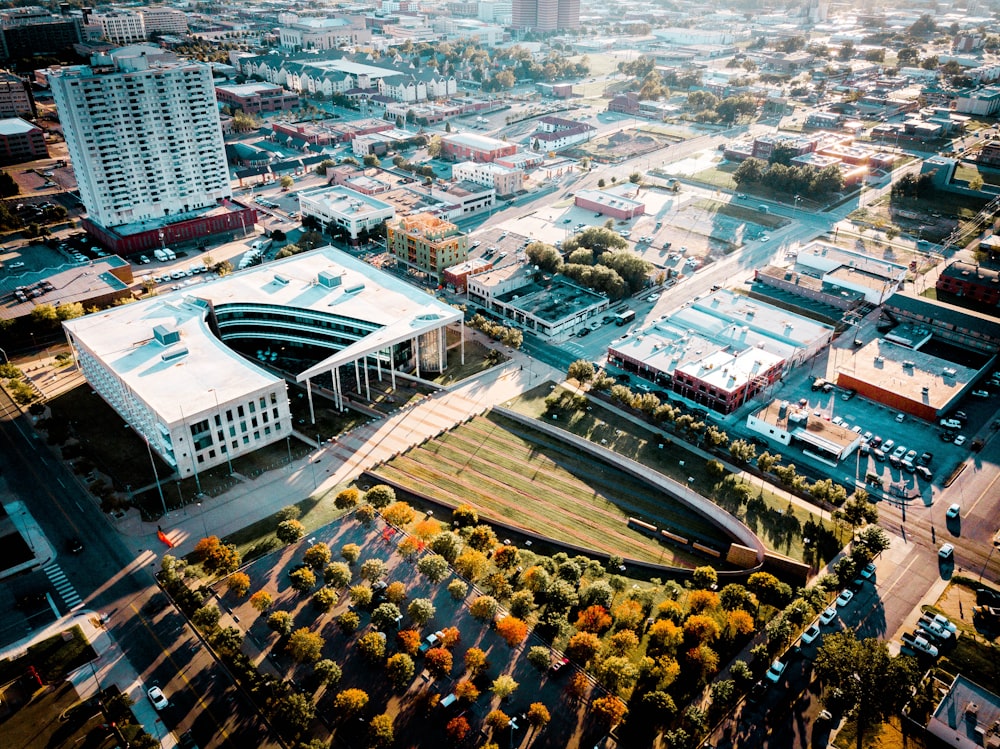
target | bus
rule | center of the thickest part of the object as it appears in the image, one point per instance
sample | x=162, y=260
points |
x=624, y=318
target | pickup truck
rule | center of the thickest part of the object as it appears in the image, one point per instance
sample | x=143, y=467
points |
x=935, y=628
x=430, y=641
x=919, y=644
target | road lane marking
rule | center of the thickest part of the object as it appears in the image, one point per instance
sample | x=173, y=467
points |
x=985, y=492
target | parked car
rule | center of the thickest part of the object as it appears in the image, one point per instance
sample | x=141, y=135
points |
x=959, y=440
x=980, y=394
x=954, y=511
x=828, y=615
x=810, y=634
x=946, y=551
x=775, y=671
x=868, y=572
x=845, y=597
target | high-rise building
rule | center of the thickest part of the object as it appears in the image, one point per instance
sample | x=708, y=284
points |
x=545, y=15
x=144, y=136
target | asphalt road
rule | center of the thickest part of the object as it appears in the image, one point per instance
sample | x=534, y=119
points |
x=162, y=648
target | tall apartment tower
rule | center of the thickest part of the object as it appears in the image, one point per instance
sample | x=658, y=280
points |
x=144, y=136
x=545, y=15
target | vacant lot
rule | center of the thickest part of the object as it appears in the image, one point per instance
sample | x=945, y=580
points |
x=524, y=477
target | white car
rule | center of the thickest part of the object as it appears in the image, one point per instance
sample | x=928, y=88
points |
x=775, y=671
x=158, y=699
x=828, y=615
x=960, y=440
x=845, y=597
x=946, y=551
x=900, y=418
x=953, y=512
x=810, y=634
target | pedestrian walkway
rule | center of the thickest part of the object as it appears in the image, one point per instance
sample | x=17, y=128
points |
x=341, y=460
x=63, y=586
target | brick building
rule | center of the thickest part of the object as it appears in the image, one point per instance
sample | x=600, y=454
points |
x=427, y=243
x=21, y=141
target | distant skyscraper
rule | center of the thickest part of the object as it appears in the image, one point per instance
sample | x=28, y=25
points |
x=144, y=136
x=545, y=15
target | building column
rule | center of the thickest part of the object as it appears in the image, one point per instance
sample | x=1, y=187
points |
x=392, y=370
x=461, y=330
x=357, y=376
x=309, y=390
x=442, y=348
x=416, y=355
x=338, y=389
x=368, y=387
x=378, y=365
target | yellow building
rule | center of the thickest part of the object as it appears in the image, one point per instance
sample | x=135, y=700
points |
x=426, y=242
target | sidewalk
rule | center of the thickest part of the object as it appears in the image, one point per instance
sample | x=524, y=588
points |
x=338, y=461
x=110, y=668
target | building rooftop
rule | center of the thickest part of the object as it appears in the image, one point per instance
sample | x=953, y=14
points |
x=809, y=428
x=16, y=126
x=474, y=140
x=70, y=284
x=825, y=258
x=552, y=300
x=971, y=272
x=609, y=199
x=123, y=336
x=248, y=89
x=905, y=371
x=727, y=371
x=341, y=200
x=968, y=716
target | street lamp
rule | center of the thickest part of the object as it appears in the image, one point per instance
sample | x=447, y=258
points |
x=204, y=526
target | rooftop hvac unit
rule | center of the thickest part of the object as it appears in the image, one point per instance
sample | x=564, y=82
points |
x=949, y=372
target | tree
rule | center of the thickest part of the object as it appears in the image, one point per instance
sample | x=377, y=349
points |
x=286, y=182
x=434, y=567
x=465, y=515
x=484, y=608
x=421, y=610
x=628, y=614
x=380, y=496
x=457, y=729
x=871, y=682
x=581, y=370
x=482, y=538
x=372, y=645
x=475, y=661
x=294, y=712
x=438, y=661
x=593, y=619
x=448, y=545
x=857, y=511
x=582, y=647
x=290, y=531
x=512, y=630
x=303, y=580
x=239, y=584
x=617, y=674
x=261, y=601
x=399, y=514
x=472, y=564
x=324, y=599
x=540, y=657
x=506, y=557
x=400, y=668
x=206, y=618
x=466, y=690
x=395, y=592
x=459, y=589
x=317, y=556
x=281, y=622
x=373, y=569
x=538, y=715
x=337, y=574
x=350, y=553
x=385, y=616
x=349, y=622
x=305, y=646
x=608, y=712
x=503, y=686
x=328, y=672
x=347, y=499
x=497, y=720
x=361, y=595
x=350, y=702
x=872, y=540
x=380, y=731
x=216, y=556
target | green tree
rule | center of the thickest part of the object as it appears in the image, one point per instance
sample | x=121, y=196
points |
x=290, y=531
x=337, y=574
x=871, y=682
x=434, y=567
x=328, y=672
x=305, y=646
x=503, y=686
x=380, y=496
x=303, y=580
x=385, y=616
x=373, y=569
x=421, y=610
x=400, y=668
x=293, y=713
x=286, y=182
x=372, y=645
x=581, y=370
x=280, y=622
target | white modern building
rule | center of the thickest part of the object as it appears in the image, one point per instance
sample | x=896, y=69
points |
x=180, y=368
x=299, y=33
x=144, y=136
x=120, y=26
x=345, y=207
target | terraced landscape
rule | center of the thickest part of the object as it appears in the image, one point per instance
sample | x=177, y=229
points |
x=511, y=472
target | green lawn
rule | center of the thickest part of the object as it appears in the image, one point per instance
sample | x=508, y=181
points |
x=523, y=476
x=53, y=657
x=742, y=213
x=779, y=524
x=718, y=176
x=965, y=171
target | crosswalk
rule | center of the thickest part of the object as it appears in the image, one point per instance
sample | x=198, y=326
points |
x=63, y=586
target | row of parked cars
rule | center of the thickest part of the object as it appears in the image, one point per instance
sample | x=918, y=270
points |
x=898, y=456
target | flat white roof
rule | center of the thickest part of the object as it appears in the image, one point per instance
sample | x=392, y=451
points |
x=342, y=200
x=122, y=337
x=474, y=140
